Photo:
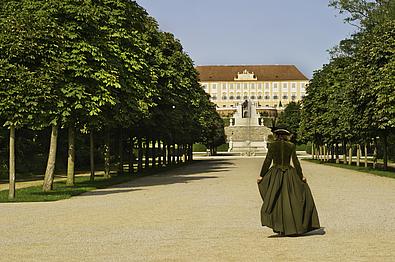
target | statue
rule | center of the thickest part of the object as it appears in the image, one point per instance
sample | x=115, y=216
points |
x=244, y=109
x=230, y=144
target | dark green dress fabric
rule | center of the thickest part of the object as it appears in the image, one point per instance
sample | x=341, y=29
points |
x=288, y=206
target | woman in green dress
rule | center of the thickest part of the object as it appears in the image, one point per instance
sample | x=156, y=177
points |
x=288, y=206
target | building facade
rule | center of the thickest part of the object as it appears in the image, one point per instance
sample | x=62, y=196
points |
x=269, y=87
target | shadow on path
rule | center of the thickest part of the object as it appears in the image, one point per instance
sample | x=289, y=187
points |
x=103, y=192
x=316, y=232
x=184, y=174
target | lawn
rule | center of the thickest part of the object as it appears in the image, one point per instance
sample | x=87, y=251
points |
x=82, y=184
x=378, y=172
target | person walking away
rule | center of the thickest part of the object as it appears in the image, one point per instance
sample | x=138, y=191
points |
x=288, y=205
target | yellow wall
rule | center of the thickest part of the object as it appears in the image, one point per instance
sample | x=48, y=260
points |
x=254, y=88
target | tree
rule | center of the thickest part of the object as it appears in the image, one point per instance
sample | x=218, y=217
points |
x=290, y=118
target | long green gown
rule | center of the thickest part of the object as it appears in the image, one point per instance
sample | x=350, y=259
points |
x=288, y=206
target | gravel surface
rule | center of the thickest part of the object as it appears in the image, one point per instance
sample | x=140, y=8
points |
x=208, y=211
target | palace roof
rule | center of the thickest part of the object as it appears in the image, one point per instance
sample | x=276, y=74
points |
x=260, y=73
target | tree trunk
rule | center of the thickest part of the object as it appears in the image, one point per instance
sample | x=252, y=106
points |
x=350, y=155
x=375, y=154
x=140, y=155
x=71, y=157
x=344, y=153
x=178, y=153
x=337, y=153
x=159, y=153
x=169, y=155
x=358, y=154
x=50, y=171
x=11, y=192
x=320, y=154
x=92, y=155
x=146, y=160
x=366, y=155
x=153, y=153
x=191, y=152
x=385, y=151
x=120, y=152
x=185, y=152
x=164, y=156
x=325, y=152
x=312, y=150
x=131, y=156
x=107, y=168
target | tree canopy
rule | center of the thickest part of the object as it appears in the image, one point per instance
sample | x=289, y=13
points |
x=353, y=97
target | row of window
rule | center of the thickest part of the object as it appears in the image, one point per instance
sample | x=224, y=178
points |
x=275, y=106
x=253, y=97
x=253, y=85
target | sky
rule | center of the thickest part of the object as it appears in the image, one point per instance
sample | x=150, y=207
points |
x=252, y=32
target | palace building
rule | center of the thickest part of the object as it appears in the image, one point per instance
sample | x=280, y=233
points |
x=269, y=87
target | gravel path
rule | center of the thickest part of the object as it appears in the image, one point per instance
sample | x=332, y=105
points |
x=208, y=211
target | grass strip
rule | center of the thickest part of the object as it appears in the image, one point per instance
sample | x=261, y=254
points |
x=362, y=169
x=82, y=184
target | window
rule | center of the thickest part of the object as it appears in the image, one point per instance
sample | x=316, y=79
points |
x=213, y=97
x=275, y=97
x=223, y=86
x=238, y=86
x=237, y=97
x=293, y=97
x=213, y=86
x=205, y=87
x=260, y=86
x=285, y=87
x=267, y=97
x=293, y=86
x=275, y=87
x=253, y=86
x=223, y=105
x=245, y=85
x=285, y=97
x=267, y=86
x=245, y=97
x=224, y=98
x=231, y=86
x=259, y=96
x=231, y=97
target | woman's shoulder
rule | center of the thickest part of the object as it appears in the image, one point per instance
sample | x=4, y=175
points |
x=278, y=142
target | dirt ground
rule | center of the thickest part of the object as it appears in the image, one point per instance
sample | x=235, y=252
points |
x=208, y=211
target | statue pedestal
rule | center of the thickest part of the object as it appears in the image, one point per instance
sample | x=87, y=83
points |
x=246, y=135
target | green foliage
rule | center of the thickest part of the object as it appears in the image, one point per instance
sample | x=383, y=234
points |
x=96, y=65
x=290, y=118
x=352, y=99
x=199, y=147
